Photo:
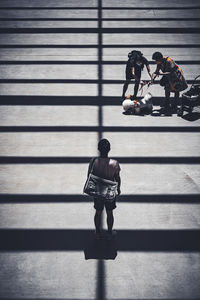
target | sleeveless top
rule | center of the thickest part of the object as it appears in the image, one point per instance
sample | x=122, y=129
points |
x=106, y=168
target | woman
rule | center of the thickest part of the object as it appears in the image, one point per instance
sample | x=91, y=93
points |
x=134, y=67
x=173, y=79
x=106, y=168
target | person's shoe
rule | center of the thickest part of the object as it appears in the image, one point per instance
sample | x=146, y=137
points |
x=111, y=235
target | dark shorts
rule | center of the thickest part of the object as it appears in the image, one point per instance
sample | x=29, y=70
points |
x=100, y=202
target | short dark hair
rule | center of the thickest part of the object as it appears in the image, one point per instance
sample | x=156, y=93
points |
x=104, y=146
x=157, y=56
x=135, y=55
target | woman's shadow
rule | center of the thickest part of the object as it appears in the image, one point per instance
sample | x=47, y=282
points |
x=100, y=249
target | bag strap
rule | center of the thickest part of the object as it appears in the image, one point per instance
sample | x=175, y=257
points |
x=94, y=158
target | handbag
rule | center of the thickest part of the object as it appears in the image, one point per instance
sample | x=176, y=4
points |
x=97, y=186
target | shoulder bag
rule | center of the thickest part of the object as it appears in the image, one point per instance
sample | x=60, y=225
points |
x=97, y=186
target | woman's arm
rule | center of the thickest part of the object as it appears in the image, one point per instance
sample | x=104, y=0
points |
x=164, y=73
x=118, y=179
x=156, y=73
x=149, y=70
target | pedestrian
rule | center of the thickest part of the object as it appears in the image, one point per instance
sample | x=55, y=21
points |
x=134, y=67
x=173, y=79
x=109, y=169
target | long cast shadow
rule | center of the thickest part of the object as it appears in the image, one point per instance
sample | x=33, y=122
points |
x=152, y=30
x=66, y=100
x=77, y=160
x=99, y=128
x=78, y=81
x=83, y=62
x=103, y=46
x=78, y=198
x=77, y=239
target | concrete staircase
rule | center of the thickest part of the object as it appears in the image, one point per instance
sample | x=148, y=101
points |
x=62, y=68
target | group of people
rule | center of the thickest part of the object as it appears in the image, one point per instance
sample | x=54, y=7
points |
x=103, y=167
x=172, y=76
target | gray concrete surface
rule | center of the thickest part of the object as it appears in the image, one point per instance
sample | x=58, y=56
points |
x=149, y=3
x=37, y=13
x=56, y=54
x=186, y=53
x=149, y=39
x=52, y=89
x=150, y=13
x=63, y=179
x=145, y=24
x=56, y=24
x=110, y=72
x=46, y=224
x=49, y=39
x=48, y=3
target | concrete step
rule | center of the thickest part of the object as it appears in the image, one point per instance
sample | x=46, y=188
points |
x=48, y=3
x=94, y=24
x=56, y=24
x=138, y=216
x=75, y=71
x=70, y=89
x=49, y=72
x=48, y=116
x=123, y=121
x=108, y=39
x=48, y=13
x=156, y=4
x=151, y=13
x=121, y=54
x=54, y=89
x=74, y=54
x=63, y=144
x=77, y=115
x=146, y=24
x=151, y=39
x=62, y=178
x=50, y=39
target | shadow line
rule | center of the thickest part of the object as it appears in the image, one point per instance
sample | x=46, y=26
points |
x=67, y=100
x=78, y=159
x=100, y=299
x=99, y=128
x=48, y=8
x=150, y=19
x=78, y=239
x=86, y=81
x=103, y=46
x=95, y=8
x=78, y=198
x=185, y=30
x=83, y=62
